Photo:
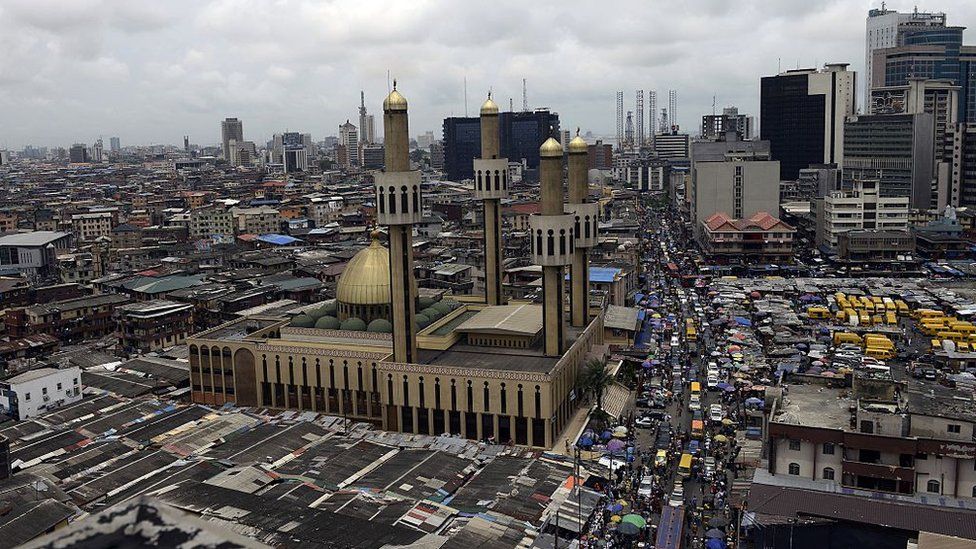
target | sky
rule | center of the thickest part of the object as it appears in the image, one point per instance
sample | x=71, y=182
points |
x=152, y=72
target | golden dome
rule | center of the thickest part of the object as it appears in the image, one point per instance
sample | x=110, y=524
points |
x=489, y=107
x=395, y=101
x=366, y=279
x=577, y=145
x=551, y=148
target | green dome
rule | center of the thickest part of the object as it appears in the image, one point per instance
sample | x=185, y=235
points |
x=442, y=307
x=302, y=321
x=380, y=326
x=422, y=321
x=425, y=302
x=353, y=324
x=432, y=313
x=451, y=303
x=327, y=323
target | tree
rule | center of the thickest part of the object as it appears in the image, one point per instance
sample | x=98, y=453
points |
x=594, y=379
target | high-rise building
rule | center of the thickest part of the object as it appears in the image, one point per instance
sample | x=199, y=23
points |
x=425, y=140
x=520, y=134
x=715, y=126
x=349, y=138
x=98, y=151
x=802, y=115
x=895, y=149
x=372, y=156
x=78, y=153
x=886, y=29
x=367, y=133
x=863, y=208
x=230, y=128
x=672, y=145
x=114, y=144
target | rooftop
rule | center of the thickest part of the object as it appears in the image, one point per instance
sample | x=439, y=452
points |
x=815, y=406
x=36, y=238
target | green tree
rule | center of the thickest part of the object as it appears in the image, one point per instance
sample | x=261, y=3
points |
x=594, y=380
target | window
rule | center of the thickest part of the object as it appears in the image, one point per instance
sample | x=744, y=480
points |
x=59, y=386
x=75, y=381
x=828, y=448
x=795, y=469
x=795, y=445
x=44, y=391
x=933, y=487
x=954, y=428
x=828, y=473
x=27, y=397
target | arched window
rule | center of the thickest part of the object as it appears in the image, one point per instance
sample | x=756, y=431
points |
x=487, y=397
x=794, y=468
x=551, y=244
x=404, y=201
x=933, y=487
x=392, y=198
x=562, y=241
x=538, y=241
x=478, y=180
x=416, y=199
x=498, y=180
x=828, y=473
x=379, y=199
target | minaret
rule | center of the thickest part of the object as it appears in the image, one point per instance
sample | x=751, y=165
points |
x=399, y=205
x=553, y=244
x=491, y=185
x=586, y=220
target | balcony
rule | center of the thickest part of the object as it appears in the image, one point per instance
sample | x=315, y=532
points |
x=879, y=470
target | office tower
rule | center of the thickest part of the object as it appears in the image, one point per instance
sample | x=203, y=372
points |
x=553, y=245
x=399, y=206
x=98, y=152
x=564, y=138
x=78, y=153
x=715, y=126
x=672, y=145
x=114, y=144
x=230, y=128
x=294, y=154
x=639, y=128
x=862, y=208
x=4, y=157
x=802, y=116
x=366, y=131
x=886, y=29
x=437, y=155
x=372, y=156
x=349, y=138
x=586, y=221
x=186, y=143
x=309, y=144
x=425, y=140
x=930, y=52
x=490, y=186
x=520, y=134
x=233, y=152
x=897, y=150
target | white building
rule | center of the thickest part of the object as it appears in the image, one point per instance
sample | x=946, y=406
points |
x=882, y=30
x=349, y=138
x=32, y=393
x=861, y=208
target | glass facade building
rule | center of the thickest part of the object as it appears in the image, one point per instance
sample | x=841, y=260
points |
x=793, y=122
x=521, y=134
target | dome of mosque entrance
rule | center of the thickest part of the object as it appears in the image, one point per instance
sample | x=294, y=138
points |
x=366, y=279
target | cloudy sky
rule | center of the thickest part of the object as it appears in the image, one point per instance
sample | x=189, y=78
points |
x=151, y=72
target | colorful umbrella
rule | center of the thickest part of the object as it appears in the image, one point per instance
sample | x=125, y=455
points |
x=615, y=445
x=635, y=519
x=628, y=529
x=721, y=438
x=615, y=518
x=614, y=507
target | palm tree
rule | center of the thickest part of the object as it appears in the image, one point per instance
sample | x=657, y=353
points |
x=594, y=379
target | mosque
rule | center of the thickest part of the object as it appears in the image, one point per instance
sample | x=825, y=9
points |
x=382, y=353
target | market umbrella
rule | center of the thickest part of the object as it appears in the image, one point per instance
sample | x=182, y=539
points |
x=727, y=421
x=635, y=519
x=615, y=445
x=614, y=507
x=718, y=522
x=655, y=362
x=720, y=438
x=628, y=529
x=606, y=435
x=615, y=518
x=753, y=401
x=817, y=363
x=725, y=386
x=620, y=429
x=755, y=295
x=715, y=533
x=716, y=353
x=734, y=348
x=715, y=543
x=586, y=442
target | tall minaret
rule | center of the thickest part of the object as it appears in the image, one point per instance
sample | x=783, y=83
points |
x=491, y=185
x=553, y=244
x=399, y=204
x=586, y=220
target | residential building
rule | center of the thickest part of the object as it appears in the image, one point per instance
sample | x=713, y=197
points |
x=349, y=139
x=36, y=391
x=862, y=208
x=230, y=129
x=70, y=320
x=212, y=222
x=599, y=156
x=372, y=156
x=760, y=238
x=33, y=254
x=520, y=134
x=715, y=126
x=896, y=149
x=735, y=177
x=886, y=29
x=90, y=226
x=153, y=325
x=802, y=115
x=126, y=236
x=259, y=220
x=875, y=245
x=818, y=180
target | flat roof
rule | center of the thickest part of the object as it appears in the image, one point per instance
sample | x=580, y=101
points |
x=491, y=358
x=32, y=375
x=35, y=238
x=525, y=319
x=815, y=406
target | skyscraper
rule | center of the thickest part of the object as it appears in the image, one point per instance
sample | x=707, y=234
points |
x=520, y=135
x=367, y=133
x=886, y=29
x=78, y=153
x=98, y=151
x=802, y=116
x=714, y=126
x=114, y=144
x=349, y=138
x=230, y=128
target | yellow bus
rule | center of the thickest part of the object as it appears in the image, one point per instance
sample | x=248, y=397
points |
x=903, y=309
x=818, y=312
x=890, y=317
x=691, y=334
x=923, y=314
x=684, y=466
x=879, y=353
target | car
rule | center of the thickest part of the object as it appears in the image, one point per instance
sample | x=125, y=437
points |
x=645, y=422
x=661, y=458
x=693, y=447
x=677, y=498
x=696, y=415
x=663, y=439
x=694, y=403
x=712, y=383
x=715, y=415
x=709, y=467
x=645, y=487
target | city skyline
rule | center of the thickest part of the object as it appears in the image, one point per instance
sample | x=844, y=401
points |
x=154, y=73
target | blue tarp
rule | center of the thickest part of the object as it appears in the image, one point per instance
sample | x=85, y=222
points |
x=278, y=239
x=743, y=321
